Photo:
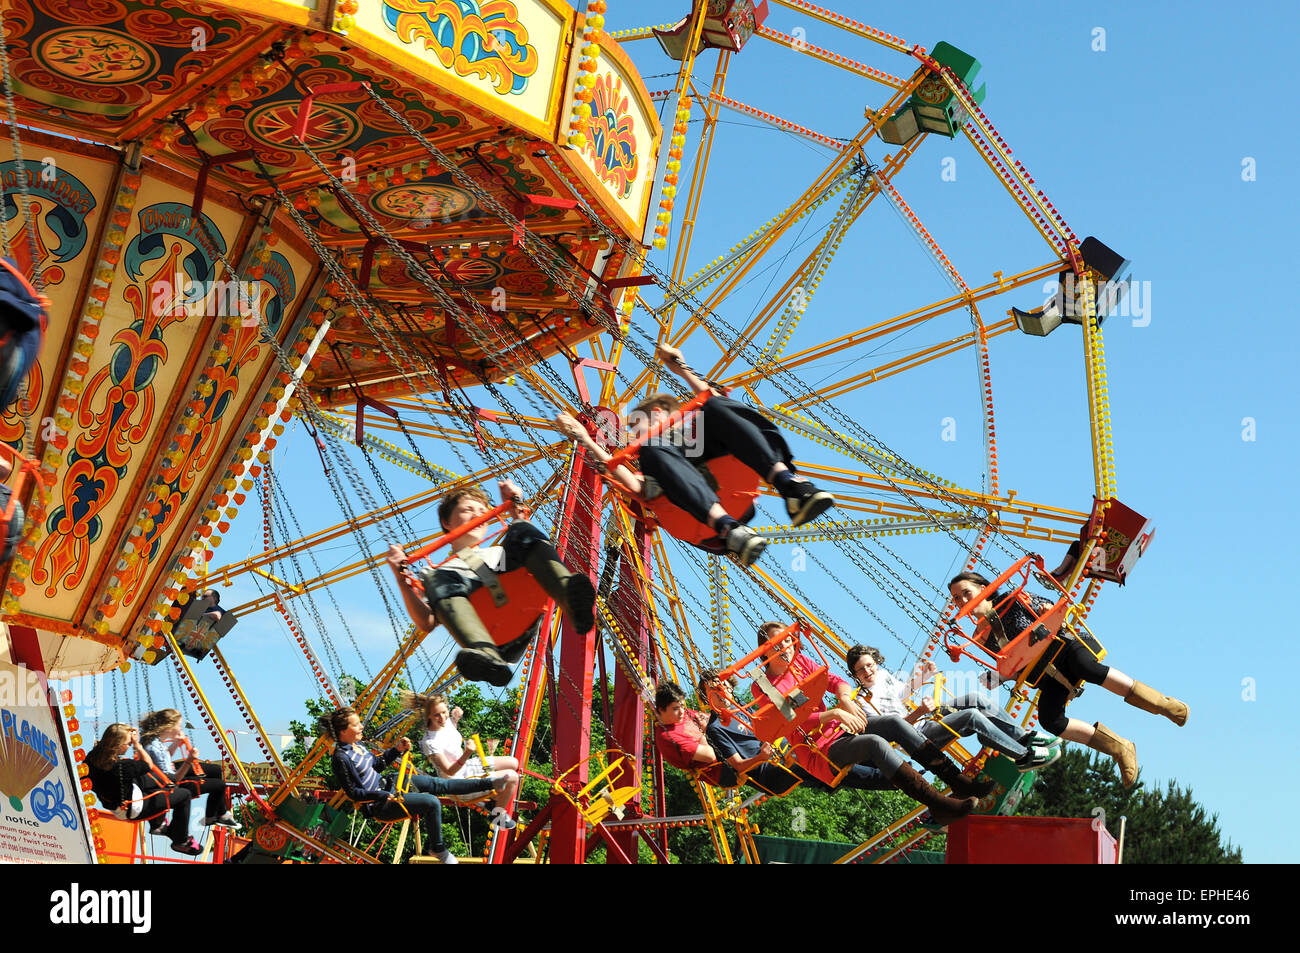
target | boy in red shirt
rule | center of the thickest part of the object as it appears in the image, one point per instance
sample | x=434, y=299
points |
x=679, y=735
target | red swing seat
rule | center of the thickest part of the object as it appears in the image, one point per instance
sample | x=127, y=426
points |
x=737, y=488
x=1025, y=648
x=777, y=723
x=525, y=603
x=510, y=618
x=762, y=716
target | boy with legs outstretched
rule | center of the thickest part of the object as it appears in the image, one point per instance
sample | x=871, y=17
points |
x=724, y=427
x=447, y=588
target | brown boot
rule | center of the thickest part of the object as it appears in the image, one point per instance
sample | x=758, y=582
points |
x=1148, y=699
x=943, y=809
x=1123, y=751
x=937, y=763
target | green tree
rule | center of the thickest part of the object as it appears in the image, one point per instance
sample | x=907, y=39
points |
x=1163, y=827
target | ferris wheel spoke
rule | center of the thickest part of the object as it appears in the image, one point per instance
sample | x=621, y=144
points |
x=846, y=342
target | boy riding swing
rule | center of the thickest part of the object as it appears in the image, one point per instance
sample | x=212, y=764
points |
x=448, y=587
x=724, y=427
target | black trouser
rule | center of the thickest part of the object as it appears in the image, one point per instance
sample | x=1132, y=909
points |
x=518, y=542
x=1075, y=662
x=723, y=427
x=156, y=804
x=214, y=786
x=423, y=802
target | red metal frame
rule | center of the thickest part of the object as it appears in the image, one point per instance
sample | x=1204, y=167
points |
x=1026, y=647
x=579, y=551
x=629, y=708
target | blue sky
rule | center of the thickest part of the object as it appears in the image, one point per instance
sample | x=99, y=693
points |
x=1141, y=144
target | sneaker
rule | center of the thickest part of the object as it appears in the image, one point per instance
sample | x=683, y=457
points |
x=446, y=857
x=158, y=825
x=1036, y=739
x=225, y=820
x=745, y=545
x=580, y=595
x=1042, y=757
x=484, y=665
x=1037, y=758
x=188, y=846
x=500, y=820
x=805, y=502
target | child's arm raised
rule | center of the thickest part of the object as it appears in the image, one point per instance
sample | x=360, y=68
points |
x=569, y=426
x=673, y=360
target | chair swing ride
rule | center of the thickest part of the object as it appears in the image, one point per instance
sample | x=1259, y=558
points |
x=450, y=219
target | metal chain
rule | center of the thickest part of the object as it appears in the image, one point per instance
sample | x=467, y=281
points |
x=20, y=167
x=778, y=374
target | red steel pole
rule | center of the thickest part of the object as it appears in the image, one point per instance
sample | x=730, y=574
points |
x=579, y=548
x=632, y=615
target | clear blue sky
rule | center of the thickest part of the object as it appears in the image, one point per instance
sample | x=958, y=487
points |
x=1142, y=145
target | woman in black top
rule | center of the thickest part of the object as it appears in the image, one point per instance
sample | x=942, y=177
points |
x=114, y=778
x=1075, y=664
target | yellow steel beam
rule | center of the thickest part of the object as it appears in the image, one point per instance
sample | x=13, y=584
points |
x=898, y=44
x=1021, y=203
x=781, y=299
x=238, y=691
x=1094, y=363
x=900, y=323
x=696, y=189
x=899, y=365
x=786, y=219
x=698, y=16
x=276, y=580
x=447, y=434
x=820, y=628
x=776, y=121
x=970, y=498
x=202, y=699
x=834, y=59
x=638, y=33
x=712, y=818
x=233, y=570
x=883, y=834
x=377, y=684
x=350, y=570
x=443, y=410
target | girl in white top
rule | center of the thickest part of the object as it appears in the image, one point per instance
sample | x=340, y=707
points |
x=454, y=756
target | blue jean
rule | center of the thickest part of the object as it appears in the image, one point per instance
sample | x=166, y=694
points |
x=422, y=801
x=991, y=710
x=972, y=721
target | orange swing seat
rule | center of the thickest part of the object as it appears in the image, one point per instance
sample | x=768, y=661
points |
x=512, y=620
x=737, y=488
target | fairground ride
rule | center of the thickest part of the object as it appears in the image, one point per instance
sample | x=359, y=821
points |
x=452, y=220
